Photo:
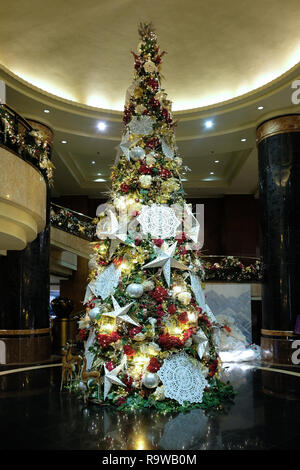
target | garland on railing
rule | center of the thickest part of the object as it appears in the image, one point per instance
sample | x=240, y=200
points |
x=66, y=220
x=31, y=142
x=232, y=269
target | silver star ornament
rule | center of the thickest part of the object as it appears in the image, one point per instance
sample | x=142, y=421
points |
x=110, y=378
x=121, y=312
x=166, y=261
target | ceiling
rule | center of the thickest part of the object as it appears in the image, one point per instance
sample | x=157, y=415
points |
x=73, y=58
x=81, y=50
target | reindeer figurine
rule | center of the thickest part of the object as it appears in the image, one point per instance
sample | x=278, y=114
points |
x=67, y=369
x=86, y=375
x=73, y=359
x=68, y=364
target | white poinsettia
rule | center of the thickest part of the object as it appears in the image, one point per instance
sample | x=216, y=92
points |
x=148, y=285
x=140, y=108
x=150, y=66
x=145, y=181
x=184, y=297
x=150, y=160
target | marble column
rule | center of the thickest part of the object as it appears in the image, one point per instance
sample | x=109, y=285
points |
x=24, y=277
x=278, y=142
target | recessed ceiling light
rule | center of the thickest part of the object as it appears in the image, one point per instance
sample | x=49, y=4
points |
x=99, y=180
x=64, y=142
x=93, y=162
x=47, y=111
x=243, y=140
x=101, y=126
x=208, y=124
x=183, y=179
x=99, y=174
x=211, y=173
x=260, y=107
x=217, y=161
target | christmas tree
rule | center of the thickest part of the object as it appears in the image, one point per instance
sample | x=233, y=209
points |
x=150, y=339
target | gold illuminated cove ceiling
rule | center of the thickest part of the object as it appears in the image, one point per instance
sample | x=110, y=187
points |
x=68, y=65
x=217, y=50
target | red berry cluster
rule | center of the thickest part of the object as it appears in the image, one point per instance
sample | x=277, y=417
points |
x=120, y=401
x=166, y=115
x=213, y=367
x=145, y=170
x=152, y=83
x=158, y=242
x=109, y=365
x=153, y=143
x=183, y=317
x=188, y=333
x=127, y=113
x=203, y=318
x=166, y=341
x=183, y=238
x=154, y=365
x=159, y=294
x=172, y=309
x=135, y=331
x=182, y=250
x=129, y=351
x=165, y=173
x=128, y=381
x=125, y=188
x=106, y=340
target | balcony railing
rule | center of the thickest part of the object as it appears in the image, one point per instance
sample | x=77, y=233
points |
x=18, y=136
x=73, y=222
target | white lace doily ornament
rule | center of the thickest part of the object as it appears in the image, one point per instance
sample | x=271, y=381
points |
x=159, y=221
x=142, y=125
x=182, y=379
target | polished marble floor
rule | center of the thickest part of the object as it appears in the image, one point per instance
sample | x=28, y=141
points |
x=35, y=415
